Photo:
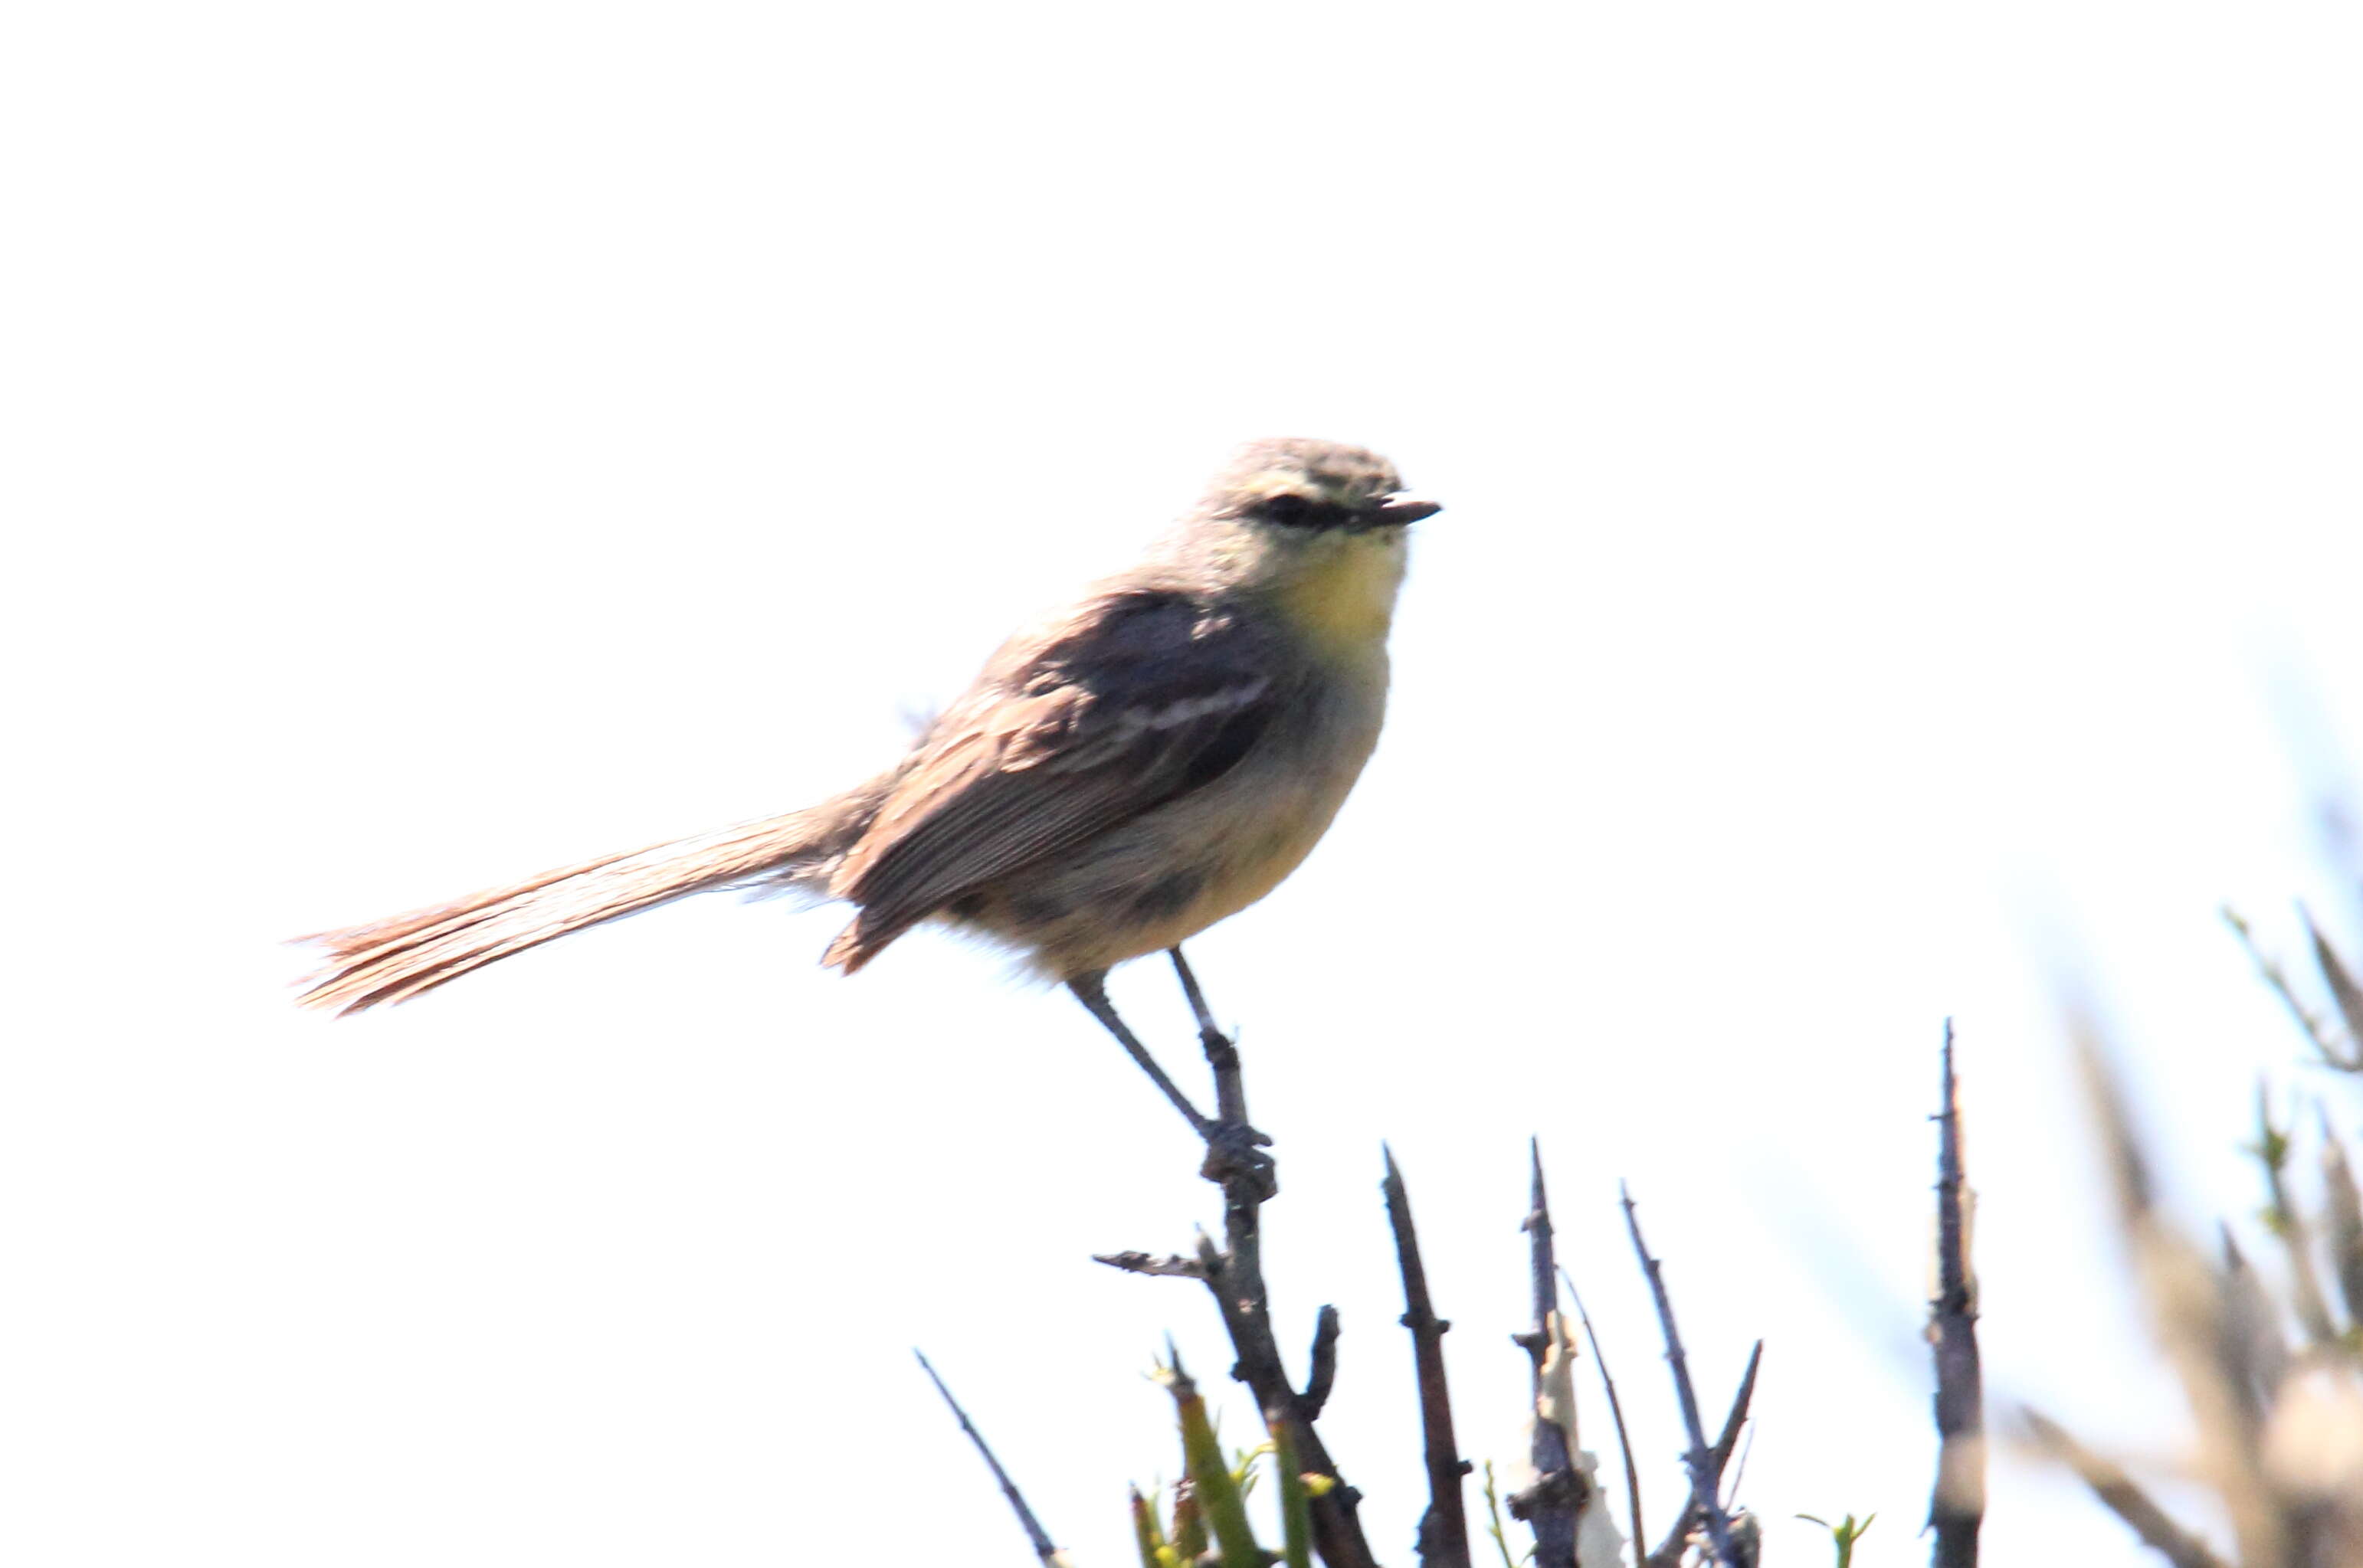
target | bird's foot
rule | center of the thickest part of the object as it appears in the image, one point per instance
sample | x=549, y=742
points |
x=1235, y=1152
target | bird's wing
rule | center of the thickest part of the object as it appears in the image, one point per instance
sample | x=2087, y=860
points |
x=1138, y=698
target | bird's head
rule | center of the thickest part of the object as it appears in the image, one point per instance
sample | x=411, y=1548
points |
x=1319, y=526
x=1301, y=486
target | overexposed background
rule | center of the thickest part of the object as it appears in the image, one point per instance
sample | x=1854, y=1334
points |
x=1904, y=539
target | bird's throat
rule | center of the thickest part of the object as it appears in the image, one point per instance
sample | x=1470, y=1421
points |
x=1343, y=601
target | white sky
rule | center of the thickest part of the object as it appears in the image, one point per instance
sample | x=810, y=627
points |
x=1894, y=456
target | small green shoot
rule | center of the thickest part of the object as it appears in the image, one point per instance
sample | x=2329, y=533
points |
x=1845, y=1533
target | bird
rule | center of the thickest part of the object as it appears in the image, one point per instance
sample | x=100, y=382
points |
x=1124, y=773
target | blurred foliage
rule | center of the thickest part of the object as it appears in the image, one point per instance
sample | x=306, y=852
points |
x=2269, y=1353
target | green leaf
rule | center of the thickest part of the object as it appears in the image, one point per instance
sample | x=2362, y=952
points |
x=1216, y=1495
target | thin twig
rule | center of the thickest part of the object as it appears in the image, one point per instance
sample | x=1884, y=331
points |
x=1705, y=1475
x=1957, y=1507
x=1444, y=1527
x=2126, y=1500
x=1670, y=1551
x=1173, y=1265
x=1550, y=1504
x=1739, y=1472
x=1615, y=1412
x=1044, y=1548
x=1494, y=1519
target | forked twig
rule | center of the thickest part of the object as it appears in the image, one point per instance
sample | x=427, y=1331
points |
x=1705, y=1472
x=1670, y=1551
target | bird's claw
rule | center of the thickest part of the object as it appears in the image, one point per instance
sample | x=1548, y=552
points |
x=1235, y=1150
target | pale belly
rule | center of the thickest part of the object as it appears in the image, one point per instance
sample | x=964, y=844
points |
x=1172, y=873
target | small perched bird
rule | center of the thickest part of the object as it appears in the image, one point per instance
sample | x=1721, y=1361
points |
x=1124, y=773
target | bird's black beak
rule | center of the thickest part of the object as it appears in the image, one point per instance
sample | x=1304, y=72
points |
x=1406, y=509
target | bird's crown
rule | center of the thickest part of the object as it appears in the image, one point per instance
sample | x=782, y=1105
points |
x=1301, y=482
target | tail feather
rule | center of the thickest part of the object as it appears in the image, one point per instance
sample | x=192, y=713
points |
x=393, y=959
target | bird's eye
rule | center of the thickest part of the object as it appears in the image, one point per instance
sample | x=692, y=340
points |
x=1293, y=508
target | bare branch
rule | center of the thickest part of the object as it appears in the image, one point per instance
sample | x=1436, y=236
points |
x=1705, y=1474
x=1550, y=1504
x=1044, y=1548
x=1444, y=1529
x=1957, y=1507
x=1233, y=1275
x=2124, y=1498
x=1234, y=1279
x=1617, y=1410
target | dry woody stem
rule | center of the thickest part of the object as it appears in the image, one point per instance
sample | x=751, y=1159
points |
x=1548, y=1506
x=1956, y=1505
x=1444, y=1527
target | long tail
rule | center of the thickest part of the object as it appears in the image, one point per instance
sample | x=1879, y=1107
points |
x=393, y=960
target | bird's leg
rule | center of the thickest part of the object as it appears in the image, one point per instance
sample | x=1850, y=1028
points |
x=1233, y=1147
x=1198, y=1009
x=1091, y=991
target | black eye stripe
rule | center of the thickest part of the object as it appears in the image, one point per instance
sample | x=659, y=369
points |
x=1303, y=511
